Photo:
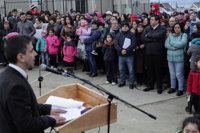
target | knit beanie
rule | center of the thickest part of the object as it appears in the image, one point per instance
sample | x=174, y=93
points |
x=87, y=16
x=134, y=17
x=125, y=23
x=33, y=6
x=83, y=23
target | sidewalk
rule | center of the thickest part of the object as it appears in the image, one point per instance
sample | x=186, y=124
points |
x=169, y=109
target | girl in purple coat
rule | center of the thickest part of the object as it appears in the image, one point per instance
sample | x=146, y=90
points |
x=69, y=51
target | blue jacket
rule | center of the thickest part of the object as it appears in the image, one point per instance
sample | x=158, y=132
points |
x=109, y=51
x=173, y=42
x=119, y=41
x=95, y=34
x=42, y=44
x=70, y=14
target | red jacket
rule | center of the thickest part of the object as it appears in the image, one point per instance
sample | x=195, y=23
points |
x=193, y=84
x=32, y=11
x=156, y=11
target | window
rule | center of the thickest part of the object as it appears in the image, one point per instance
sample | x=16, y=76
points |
x=81, y=5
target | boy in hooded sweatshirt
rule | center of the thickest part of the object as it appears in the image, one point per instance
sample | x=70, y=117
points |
x=52, y=44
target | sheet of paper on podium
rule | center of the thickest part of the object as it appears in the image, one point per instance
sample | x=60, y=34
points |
x=72, y=107
x=63, y=102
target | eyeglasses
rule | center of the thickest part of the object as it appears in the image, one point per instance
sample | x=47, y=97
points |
x=114, y=23
x=177, y=27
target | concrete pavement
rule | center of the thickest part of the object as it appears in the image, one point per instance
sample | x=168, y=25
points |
x=169, y=109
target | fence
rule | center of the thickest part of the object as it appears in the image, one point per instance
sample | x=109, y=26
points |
x=78, y=5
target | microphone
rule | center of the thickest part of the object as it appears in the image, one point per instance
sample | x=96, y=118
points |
x=44, y=67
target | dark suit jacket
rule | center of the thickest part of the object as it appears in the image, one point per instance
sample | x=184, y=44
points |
x=19, y=110
x=14, y=23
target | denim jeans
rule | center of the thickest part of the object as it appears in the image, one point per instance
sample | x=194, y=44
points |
x=129, y=60
x=92, y=62
x=45, y=56
x=176, y=72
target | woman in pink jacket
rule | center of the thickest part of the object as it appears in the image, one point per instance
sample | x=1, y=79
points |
x=69, y=51
x=52, y=44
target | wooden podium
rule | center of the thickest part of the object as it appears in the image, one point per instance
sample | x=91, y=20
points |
x=95, y=117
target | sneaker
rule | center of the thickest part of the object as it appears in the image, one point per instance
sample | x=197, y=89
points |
x=113, y=83
x=94, y=53
x=52, y=67
x=55, y=69
x=107, y=82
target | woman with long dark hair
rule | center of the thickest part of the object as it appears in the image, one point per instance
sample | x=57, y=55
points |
x=69, y=29
x=140, y=57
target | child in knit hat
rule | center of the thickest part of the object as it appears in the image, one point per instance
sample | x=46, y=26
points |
x=83, y=32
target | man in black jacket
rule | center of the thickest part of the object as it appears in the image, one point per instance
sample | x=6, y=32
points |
x=14, y=20
x=125, y=43
x=154, y=36
x=19, y=110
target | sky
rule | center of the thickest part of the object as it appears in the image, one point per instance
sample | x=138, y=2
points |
x=185, y=3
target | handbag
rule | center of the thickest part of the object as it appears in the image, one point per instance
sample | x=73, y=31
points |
x=81, y=54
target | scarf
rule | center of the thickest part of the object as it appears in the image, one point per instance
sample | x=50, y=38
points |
x=113, y=30
x=133, y=30
x=70, y=43
x=44, y=37
x=109, y=43
x=38, y=26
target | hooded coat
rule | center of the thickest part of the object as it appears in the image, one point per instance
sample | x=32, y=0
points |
x=157, y=9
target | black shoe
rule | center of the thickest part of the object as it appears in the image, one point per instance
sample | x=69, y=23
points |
x=121, y=85
x=171, y=91
x=148, y=89
x=189, y=111
x=89, y=73
x=93, y=75
x=179, y=93
x=131, y=86
x=159, y=91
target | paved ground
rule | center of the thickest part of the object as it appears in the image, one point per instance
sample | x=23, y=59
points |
x=168, y=109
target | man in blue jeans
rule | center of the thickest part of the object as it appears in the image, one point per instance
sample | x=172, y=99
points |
x=125, y=43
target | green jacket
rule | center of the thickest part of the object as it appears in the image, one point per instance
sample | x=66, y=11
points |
x=173, y=42
x=179, y=131
x=42, y=44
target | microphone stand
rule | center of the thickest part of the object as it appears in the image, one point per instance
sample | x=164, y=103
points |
x=40, y=78
x=110, y=98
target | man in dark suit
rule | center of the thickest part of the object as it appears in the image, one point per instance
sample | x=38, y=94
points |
x=19, y=110
x=14, y=20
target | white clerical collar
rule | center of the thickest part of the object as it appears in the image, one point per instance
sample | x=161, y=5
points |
x=20, y=70
x=155, y=27
x=15, y=17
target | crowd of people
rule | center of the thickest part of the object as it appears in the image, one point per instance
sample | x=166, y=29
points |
x=149, y=48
